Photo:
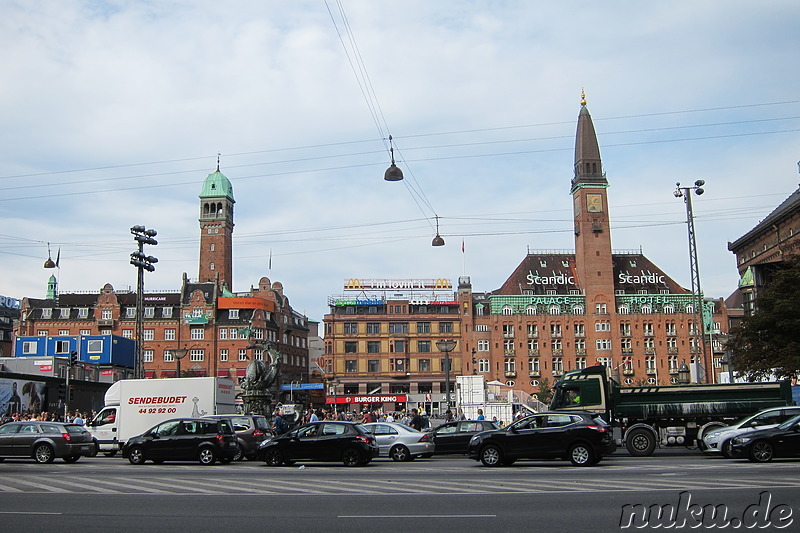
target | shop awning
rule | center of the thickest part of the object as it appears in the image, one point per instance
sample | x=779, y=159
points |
x=149, y=373
x=167, y=373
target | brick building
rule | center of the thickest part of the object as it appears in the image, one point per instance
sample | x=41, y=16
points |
x=557, y=311
x=204, y=317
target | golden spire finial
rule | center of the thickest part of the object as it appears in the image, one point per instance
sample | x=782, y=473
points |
x=583, y=97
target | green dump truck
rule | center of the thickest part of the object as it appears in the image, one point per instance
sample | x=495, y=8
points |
x=676, y=415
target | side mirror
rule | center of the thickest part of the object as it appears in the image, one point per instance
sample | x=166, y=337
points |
x=513, y=429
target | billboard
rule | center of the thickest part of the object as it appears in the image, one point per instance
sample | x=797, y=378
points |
x=21, y=395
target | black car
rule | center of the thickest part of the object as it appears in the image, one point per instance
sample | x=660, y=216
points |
x=251, y=430
x=184, y=439
x=347, y=442
x=453, y=437
x=583, y=438
x=763, y=445
x=44, y=441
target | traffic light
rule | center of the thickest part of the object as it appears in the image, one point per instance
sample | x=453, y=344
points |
x=71, y=393
x=62, y=391
x=73, y=358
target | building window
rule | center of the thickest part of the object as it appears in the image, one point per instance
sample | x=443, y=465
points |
x=558, y=365
x=374, y=347
x=127, y=333
x=148, y=334
x=555, y=309
x=483, y=345
x=63, y=313
x=398, y=327
x=555, y=330
x=350, y=346
x=424, y=346
x=166, y=312
x=483, y=365
x=242, y=354
x=508, y=330
x=86, y=332
x=351, y=366
x=533, y=345
x=168, y=357
x=623, y=309
x=425, y=388
x=397, y=346
x=223, y=334
x=671, y=328
x=579, y=329
x=600, y=309
x=533, y=365
x=602, y=326
x=580, y=345
x=533, y=331
x=446, y=364
x=83, y=312
x=507, y=310
x=223, y=354
x=646, y=309
x=147, y=356
x=580, y=363
x=62, y=346
x=351, y=328
x=626, y=345
x=374, y=365
x=106, y=314
x=149, y=312
x=530, y=310
x=169, y=334
x=373, y=328
x=481, y=327
x=445, y=327
x=233, y=314
x=196, y=354
x=603, y=344
x=397, y=365
x=510, y=366
x=424, y=365
x=578, y=309
x=605, y=361
x=197, y=334
x=556, y=345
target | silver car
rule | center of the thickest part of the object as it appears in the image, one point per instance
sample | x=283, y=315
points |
x=400, y=442
x=719, y=440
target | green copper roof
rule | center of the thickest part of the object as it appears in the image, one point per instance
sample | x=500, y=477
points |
x=747, y=279
x=217, y=185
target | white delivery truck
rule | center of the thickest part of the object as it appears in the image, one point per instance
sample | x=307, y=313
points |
x=132, y=406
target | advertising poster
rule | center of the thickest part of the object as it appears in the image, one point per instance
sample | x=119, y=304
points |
x=19, y=396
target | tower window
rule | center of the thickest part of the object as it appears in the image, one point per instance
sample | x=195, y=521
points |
x=211, y=266
x=212, y=247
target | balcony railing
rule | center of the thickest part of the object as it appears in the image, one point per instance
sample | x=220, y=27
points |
x=672, y=351
x=511, y=374
x=533, y=352
x=509, y=353
x=534, y=374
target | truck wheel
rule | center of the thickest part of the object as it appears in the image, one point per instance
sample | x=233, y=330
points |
x=207, y=457
x=581, y=455
x=491, y=456
x=640, y=442
x=761, y=452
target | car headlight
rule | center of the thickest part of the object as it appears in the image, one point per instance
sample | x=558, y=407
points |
x=742, y=440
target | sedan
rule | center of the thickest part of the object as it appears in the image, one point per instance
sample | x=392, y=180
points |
x=400, y=442
x=348, y=442
x=453, y=437
x=719, y=439
x=764, y=445
x=583, y=438
x=44, y=441
x=184, y=439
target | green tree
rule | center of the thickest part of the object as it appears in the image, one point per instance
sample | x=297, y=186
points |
x=545, y=393
x=768, y=341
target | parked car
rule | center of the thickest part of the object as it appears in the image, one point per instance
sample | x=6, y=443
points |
x=184, y=439
x=251, y=430
x=765, y=444
x=347, y=442
x=401, y=443
x=453, y=437
x=45, y=441
x=719, y=440
x=583, y=438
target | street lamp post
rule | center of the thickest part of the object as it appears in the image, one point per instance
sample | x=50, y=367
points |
x=179, y=353
x=446, y=346
x=686, y=194
x=142, y=262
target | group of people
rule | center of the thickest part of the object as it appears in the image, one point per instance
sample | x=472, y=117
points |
x=70, y=417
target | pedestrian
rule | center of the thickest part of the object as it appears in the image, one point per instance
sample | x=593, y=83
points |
x=480, y=415
x=416, y=421
x=461, y=415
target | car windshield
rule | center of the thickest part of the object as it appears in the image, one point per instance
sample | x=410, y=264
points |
x=789, y=423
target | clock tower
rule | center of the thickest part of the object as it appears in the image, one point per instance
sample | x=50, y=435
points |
x=216, y=230
x=593, y=261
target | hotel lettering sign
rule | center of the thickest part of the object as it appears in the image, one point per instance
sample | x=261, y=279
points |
x=366, y=284
x=555, y=279
x=10, y=303
x=643, y=278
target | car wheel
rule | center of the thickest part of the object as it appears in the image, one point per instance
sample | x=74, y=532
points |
x=352, y=457
x=239, y=453
x=136, y=455
x=761, y=452
x=273, y=457
x=581, y=455
x=207, y=456
x=491, y=456
x=43, y=453
x=400, y=453
x=726, y=448
x=95, y=450
x=71, y=458
x=640, y=442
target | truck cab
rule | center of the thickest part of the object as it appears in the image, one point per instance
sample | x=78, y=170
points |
x=583, y=390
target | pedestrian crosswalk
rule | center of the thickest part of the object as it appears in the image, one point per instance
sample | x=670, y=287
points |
x=216, y=484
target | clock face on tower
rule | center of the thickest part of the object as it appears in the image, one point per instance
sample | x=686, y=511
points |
x=594, y=203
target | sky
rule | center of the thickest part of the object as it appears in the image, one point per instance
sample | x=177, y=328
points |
x=114, y=113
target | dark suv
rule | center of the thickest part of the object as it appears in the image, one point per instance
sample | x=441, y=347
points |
x=453, y=437
x=184, y=439
x=348, y=442
x=250, y=430
x=583, y=438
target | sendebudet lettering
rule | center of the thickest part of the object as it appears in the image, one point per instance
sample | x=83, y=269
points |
x=147, y=400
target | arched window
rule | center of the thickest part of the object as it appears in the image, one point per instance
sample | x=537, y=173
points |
x=669, y=309
x=555, y=309
x=646, y=309
x=578, y=309
x=508, y=310
x=623, y=309
x=690, y=309
x=530, y=310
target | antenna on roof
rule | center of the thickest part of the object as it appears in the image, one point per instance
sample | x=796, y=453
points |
x=218, y=154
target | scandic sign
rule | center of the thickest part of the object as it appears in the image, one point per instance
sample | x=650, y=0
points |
x=367, y=399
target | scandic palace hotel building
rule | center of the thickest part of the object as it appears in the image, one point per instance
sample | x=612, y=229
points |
x=556, y=312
